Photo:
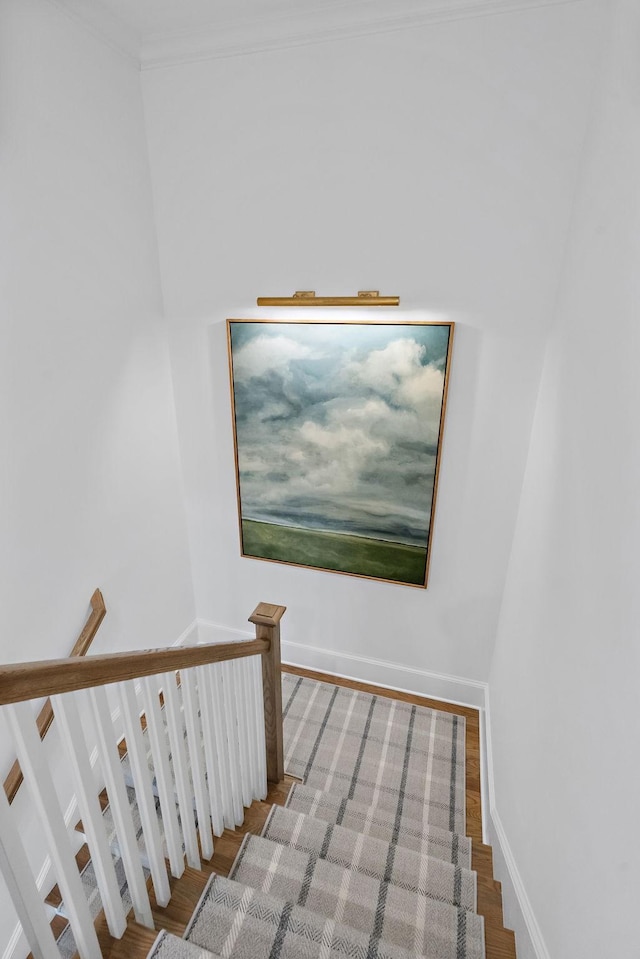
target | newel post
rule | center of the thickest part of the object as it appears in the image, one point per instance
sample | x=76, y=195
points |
x=266, y=619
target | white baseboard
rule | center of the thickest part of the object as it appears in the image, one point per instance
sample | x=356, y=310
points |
x=381, y=672
x=378, y=672
x=16, y=939
x=519, y=914
x=518, y=911
x=189, y=637
x=209, y=632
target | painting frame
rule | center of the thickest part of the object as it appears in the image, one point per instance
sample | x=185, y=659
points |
x=274, y=442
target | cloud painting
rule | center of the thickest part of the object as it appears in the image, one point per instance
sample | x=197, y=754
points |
x=337, y=430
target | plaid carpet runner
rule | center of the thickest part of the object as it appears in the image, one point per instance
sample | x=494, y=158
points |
x=410, y=919
x=237, y=921
x=368, y=860
x=377, y=751
x=381, y=823
x=381, y=860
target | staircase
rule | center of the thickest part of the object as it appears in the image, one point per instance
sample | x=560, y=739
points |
x=370, y=847
x=351, y=870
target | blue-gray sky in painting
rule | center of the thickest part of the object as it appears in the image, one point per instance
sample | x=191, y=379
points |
x=337, y=425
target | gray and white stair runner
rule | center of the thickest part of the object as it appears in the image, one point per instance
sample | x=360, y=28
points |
x=415, y=922
x=381, y=823
x=234, y=920
x=376, y=858
x=368, y=860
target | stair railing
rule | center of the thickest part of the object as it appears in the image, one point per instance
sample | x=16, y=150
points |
x=98, y=612
x=203, y=733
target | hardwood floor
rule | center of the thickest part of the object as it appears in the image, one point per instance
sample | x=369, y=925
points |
x=500, y=942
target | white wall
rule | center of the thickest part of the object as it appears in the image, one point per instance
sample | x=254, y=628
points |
x=90, y=489
x=566, y=673
x=435, y=163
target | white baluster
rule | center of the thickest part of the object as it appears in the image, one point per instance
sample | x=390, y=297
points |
x=24, y=893
x=229, y=706
x=194, y=739
x=215, y=683
x=261, y=743
x=181, y=770
x=35, y=768
x=242, y=708
x=120, y=809
x=198, y=701
x=67, y=715
x=144, y=792
x=162, y=769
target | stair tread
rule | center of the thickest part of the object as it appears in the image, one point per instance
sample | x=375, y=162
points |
x=378, y=751
x=243, y=923
x=377, y=858
x=412, y=921
x=381, y=824
x=168, y=946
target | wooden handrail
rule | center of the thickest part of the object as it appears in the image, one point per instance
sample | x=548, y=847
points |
x=86, y=637
x=33, y=680
x=20, y=681
x=98, y=612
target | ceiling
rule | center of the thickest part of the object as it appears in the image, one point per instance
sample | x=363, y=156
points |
x=157, y=33
x=148, y=17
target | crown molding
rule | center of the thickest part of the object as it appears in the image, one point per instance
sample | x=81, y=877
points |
x=103, y=26
x=322, y=24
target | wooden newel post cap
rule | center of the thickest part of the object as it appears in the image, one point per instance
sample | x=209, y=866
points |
x=266, y=614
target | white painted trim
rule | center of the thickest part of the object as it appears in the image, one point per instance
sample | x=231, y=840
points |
x=491, y=786
x=321, y=24
x=280, y=31
x=484, y=771
x=512, y=884
x=209, y=632
x=524, y=903
x=190, y=635
x=14, y=941
x=380, y=672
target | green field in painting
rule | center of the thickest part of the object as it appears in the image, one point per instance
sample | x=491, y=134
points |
x=338, y=551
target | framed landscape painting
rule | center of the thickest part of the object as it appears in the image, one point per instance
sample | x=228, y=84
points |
x=338, y=430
